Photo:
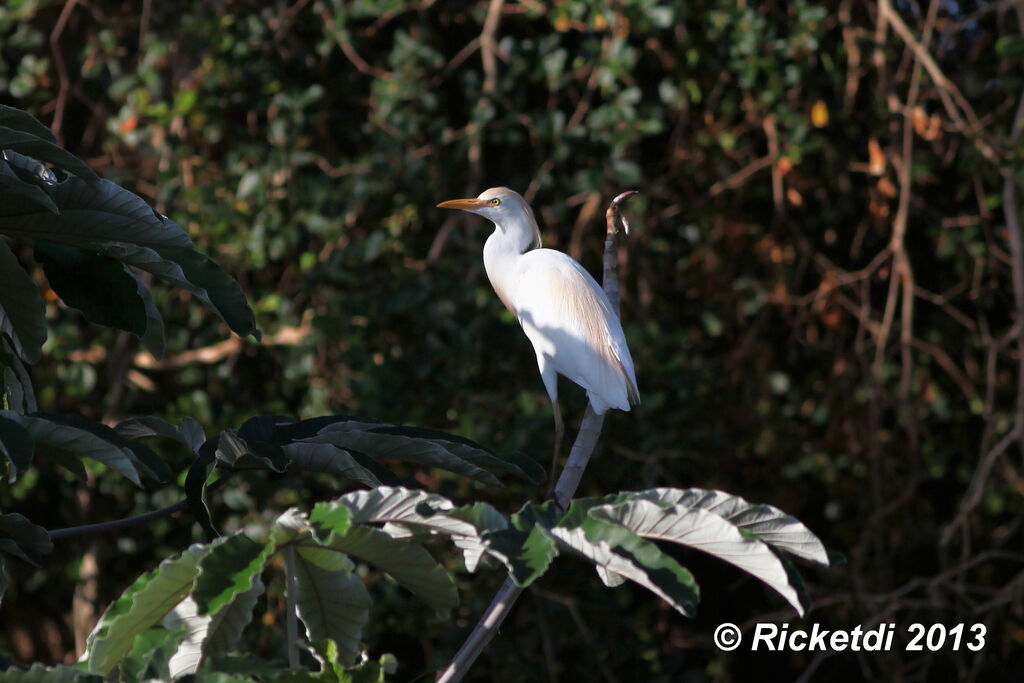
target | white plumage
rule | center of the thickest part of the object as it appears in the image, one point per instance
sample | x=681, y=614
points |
x=563, y=311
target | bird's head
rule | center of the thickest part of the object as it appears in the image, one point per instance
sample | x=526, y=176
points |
x=504, y=207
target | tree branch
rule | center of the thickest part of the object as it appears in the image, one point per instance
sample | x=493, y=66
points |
x=113, y=525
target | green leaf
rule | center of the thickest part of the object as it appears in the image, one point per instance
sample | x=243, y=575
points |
x=63, y=442
x=329, y=521
x=91, y=216
x=764, y=522
x=140, y=607
x=195, y=486
x=190, y=433
x=244, y=667
x=21, y=538
x=703, y=530
x=154, y=337
x=1010, y=46
x=328, y=459
x=332, y=604
x=11, y=183
x=38, y=673
x=25, y=122
x=30, y=170
x=405, y=512
x=98, y=286
x=443, y=455
x=618, y=551
x=224, y=294
x=150, y=655
x=237, y=453
x=409, y=564
x=293, y=528
x=17, y=384
x=471, y=451
x=16, y=444
x=225, y=299
x=22, y=311
x=42, y=148
x=141, y=456
x=228, y=569
x=210, y=634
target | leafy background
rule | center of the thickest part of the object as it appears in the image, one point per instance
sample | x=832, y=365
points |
x=818, y=290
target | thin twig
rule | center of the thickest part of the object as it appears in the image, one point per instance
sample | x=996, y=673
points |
x=990, y=457
x=62, y=69
x=568, y=481
x=951, y=97
x=85, y=529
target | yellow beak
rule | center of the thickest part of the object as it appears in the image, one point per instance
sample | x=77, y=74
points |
x=464, y=204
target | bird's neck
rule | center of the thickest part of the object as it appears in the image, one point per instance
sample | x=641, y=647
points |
x=502, y=252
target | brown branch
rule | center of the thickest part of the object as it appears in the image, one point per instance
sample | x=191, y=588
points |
x=1011, y=211
x=62, y=69
x=739, y=177
x=952, y=99
x=341, y=38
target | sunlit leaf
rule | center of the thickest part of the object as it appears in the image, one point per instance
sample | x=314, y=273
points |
x=141, y=606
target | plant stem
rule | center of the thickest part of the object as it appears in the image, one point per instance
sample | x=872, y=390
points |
x=568, y=480
x=290, y=600
x=84, y=529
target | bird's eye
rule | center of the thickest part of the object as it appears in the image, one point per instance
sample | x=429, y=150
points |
x=496, y=201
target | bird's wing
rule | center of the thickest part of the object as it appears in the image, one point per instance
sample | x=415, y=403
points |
x=567, y=316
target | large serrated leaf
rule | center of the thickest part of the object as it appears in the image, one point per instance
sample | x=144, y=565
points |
x=141, y=606
x=328, y=459
x=12, y=184
x=22, y=311
x=151, y=652
x=154, y=338
x=91, y=216
x=143, y=457
x=38, y=673
x=225, y=295
x=21, y=538
x=227, y=570
x=17, y=385
x=765, y=522
x=332, y=604
x=16, y=444
x=63, y=442
x=213, y=287
x=238, y=453
x=98, y=286
x=208, y=635
x=32, y=145
x=443, y=455
x=705, y=531
x=25, y=122
x=617, y=550
x=407, y=563
x=471, y=451
x=190, y=433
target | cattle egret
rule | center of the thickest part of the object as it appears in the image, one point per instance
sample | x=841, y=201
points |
x=561, y=308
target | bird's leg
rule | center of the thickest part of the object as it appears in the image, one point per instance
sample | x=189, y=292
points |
x=559, y=433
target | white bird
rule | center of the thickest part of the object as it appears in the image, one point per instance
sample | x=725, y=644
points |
x=564, y=312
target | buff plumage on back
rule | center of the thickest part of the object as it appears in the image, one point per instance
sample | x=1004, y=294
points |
x=569, y=320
